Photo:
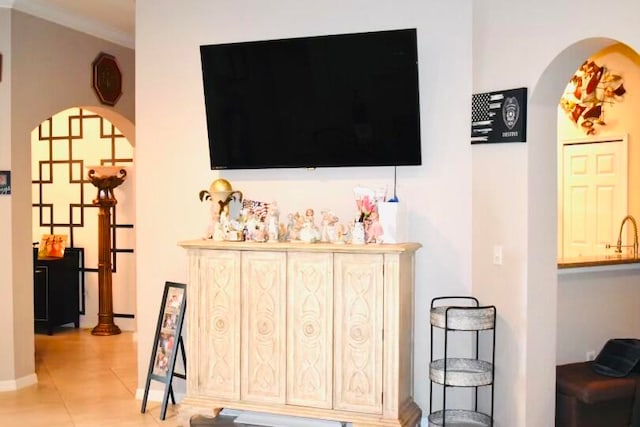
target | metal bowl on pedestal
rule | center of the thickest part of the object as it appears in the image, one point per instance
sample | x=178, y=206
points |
x=105, y=178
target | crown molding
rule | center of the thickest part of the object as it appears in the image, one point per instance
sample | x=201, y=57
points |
x=75, y=22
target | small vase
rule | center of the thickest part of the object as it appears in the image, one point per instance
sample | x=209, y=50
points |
x=357, y=236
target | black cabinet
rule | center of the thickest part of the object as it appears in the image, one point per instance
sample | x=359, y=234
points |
x=56, y=284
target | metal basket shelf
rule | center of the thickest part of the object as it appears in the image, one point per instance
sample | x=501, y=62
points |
x=459, y=418
x=461, y=372
x=463, y=319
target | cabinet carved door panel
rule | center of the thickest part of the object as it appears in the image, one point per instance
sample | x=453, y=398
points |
x=218, y=297
x=264, y=318
x=310, y=329
x=359, y=323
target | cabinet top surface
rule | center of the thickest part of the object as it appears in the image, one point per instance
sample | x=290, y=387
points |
x=301, y=247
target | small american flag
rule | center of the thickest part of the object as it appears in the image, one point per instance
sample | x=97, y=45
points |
x=259, y=209
x=483, y=106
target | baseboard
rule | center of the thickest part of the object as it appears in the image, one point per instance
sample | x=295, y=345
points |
x=12, y=385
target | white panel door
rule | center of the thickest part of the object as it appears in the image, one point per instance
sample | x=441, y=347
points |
x=595, y=196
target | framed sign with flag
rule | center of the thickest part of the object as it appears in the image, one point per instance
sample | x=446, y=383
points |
x=499, y=116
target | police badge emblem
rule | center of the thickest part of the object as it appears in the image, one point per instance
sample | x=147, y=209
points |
x=510, y=112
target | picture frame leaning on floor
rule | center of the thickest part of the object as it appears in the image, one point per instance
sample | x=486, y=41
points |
x=166, y=344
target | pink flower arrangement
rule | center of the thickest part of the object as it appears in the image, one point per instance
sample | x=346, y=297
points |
x=366, y=206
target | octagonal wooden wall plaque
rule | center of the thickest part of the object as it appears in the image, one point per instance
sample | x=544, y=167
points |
x=107, y=79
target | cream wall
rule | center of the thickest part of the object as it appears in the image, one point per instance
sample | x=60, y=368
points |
x=44, y=68
x=536, y=45
x=7, y=360
x=173, y=166
x=594, y=306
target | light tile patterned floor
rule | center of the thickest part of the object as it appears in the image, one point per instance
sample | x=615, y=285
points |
x=83, y=381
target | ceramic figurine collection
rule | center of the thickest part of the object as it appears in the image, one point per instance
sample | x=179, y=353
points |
x=234, y=218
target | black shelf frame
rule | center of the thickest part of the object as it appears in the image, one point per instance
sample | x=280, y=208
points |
x=472, y=304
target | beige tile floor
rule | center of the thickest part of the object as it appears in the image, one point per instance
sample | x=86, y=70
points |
x=83, y=381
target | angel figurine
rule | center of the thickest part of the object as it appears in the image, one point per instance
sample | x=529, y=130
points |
x=373, y=229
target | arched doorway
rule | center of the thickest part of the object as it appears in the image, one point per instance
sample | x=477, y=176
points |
x=594, y=304
x=542, y=273
x=62, y=147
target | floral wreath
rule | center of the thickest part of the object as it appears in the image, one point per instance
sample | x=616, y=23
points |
x=589, y=91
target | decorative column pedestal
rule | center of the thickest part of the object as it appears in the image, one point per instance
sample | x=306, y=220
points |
x=105, y=178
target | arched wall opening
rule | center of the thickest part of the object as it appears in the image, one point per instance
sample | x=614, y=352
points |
x=542, y=272
x=62, y=148
x=594, y=304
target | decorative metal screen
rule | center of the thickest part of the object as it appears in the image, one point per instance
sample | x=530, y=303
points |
x=62, y=147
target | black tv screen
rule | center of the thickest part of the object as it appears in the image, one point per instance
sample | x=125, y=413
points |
x=325, y=101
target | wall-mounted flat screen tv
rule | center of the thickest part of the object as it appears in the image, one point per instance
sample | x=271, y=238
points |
x=325, y=101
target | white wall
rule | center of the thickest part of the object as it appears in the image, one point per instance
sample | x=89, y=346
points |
x=46, y=69
x=172, y=158
x=536, y=45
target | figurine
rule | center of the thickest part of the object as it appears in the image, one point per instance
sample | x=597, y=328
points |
x=225, y=216
x=328, y=227
x=251, y=225
x=342, y=234
x=260, y=234
x=308, y=217
x=357, y=233
x=296, y=228
x=215, y=221
x=218, y=232
x=309, y=232
x=290, y=233
x=273, y=228
x=373, y=229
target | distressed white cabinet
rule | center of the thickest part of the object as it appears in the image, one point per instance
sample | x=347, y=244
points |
x=313, y=330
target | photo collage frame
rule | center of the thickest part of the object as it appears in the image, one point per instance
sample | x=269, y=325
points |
x=167, y=344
